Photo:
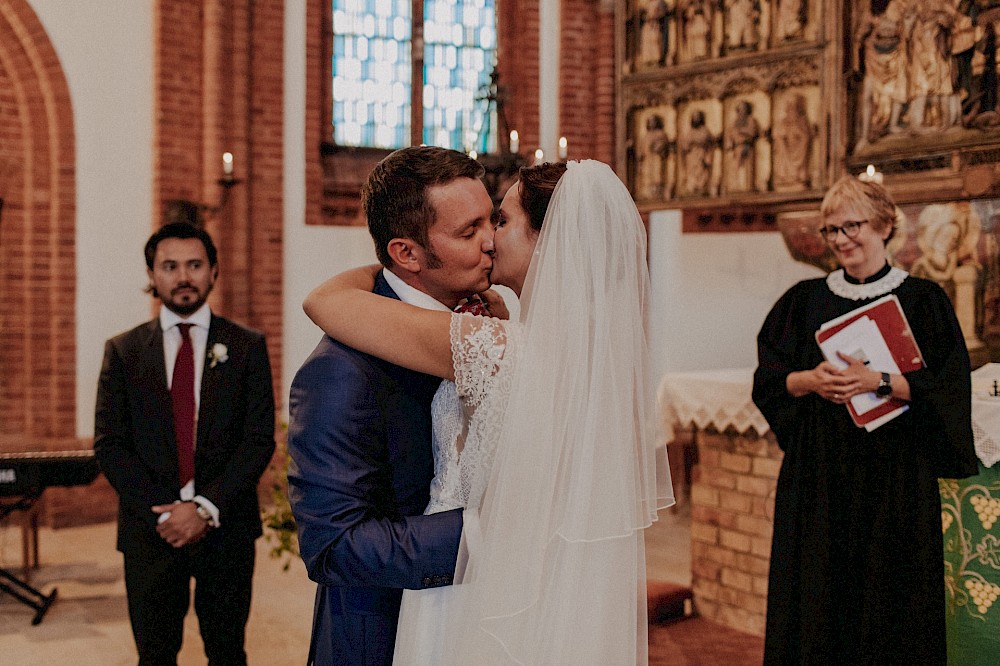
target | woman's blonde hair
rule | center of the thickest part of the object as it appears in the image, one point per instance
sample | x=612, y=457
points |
x=870, y=199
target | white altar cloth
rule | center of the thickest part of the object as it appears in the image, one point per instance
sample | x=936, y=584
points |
x=713, y=398
x=986, y=413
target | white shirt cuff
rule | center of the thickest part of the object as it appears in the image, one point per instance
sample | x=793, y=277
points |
x=211, y=508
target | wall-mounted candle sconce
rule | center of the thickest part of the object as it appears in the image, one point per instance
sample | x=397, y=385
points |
x=183, y=210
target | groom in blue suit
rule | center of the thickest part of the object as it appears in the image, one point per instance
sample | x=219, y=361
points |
x=360, y=428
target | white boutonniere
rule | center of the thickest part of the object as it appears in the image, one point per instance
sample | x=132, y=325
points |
x=219, y=353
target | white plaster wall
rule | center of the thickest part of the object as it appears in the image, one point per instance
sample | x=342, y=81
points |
x=548, y=80
x=711, y=293
x=105, y=49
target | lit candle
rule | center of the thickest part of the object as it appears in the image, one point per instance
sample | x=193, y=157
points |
x=870, y=175
x=227, y=164
x=563, y=146
x=473, y=154
x=539, y=156
x=515, y=141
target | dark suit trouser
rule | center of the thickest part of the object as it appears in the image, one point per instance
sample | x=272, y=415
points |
x=157, y=583
x=353, y=638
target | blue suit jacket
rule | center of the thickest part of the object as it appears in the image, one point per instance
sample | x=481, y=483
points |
x=359, y=479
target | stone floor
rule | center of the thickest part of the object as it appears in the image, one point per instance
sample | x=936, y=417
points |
x=87, y=624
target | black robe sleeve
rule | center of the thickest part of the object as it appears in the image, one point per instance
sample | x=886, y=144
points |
x=777, y=348
x=941, y=393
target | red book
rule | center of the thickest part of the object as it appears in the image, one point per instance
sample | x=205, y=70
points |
x=879, y=334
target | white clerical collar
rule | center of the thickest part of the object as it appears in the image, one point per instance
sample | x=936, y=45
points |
x=839, y=285
x=202, y=318
x=412, y=295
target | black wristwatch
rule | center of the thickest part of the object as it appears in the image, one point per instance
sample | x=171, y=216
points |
x=884, y=389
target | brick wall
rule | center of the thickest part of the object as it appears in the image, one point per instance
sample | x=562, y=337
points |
x=517, y=58
x=319, y=103
x=219, y=87
x=37, y=240
x=587, y=82
x=732, y=509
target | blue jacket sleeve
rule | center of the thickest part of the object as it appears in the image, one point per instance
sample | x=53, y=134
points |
x=341, y=489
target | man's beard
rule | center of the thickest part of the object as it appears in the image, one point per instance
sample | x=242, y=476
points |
x=185, y=309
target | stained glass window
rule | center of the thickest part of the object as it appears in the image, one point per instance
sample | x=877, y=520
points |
x=372, y=64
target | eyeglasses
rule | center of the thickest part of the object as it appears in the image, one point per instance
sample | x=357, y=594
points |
x=851, y=229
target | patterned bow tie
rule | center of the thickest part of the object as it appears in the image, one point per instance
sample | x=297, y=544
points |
x=474, y=305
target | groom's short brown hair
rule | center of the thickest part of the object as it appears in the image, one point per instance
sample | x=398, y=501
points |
x=394, y=197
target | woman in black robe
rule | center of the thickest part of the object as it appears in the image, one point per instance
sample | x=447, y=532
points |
x=857, y=561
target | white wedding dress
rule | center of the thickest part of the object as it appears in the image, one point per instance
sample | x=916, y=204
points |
x=466, y=423
x=547, y=439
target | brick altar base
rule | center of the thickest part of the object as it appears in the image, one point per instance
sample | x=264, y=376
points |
x=732, y=509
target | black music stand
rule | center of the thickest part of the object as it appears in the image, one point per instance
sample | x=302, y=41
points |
x=15, y=587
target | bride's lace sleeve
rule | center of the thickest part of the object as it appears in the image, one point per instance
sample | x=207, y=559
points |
x=478, y=346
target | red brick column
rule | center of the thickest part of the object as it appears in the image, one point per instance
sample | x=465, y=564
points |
x=587, y=79
x=517, y=57
x=732, y=509
x=219, y=88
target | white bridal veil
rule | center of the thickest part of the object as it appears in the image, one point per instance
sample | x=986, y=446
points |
x=556, y=568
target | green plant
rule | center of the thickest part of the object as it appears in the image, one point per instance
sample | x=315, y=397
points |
x=279, y=523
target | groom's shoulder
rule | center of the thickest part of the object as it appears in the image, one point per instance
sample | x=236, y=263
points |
x=333, y=357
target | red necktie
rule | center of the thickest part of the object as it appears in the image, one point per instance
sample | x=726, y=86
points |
x=474, y=305
x=182, y=395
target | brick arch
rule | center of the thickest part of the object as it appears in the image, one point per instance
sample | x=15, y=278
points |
x=37, y=239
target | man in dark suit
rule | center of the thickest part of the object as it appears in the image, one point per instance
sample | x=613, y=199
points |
x=184, y=429
x=360, y=429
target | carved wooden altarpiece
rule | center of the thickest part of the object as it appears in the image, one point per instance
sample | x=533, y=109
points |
x=922, y=96
x=762, y=104
x=723, y=105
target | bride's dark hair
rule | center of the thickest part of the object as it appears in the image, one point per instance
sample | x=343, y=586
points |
x=537, y=185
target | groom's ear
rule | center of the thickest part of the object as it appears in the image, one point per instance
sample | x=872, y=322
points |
x=406, y=253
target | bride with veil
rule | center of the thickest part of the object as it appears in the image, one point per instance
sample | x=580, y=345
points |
x=559, y=465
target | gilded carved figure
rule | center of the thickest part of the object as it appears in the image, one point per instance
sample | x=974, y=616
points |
x=697, y=150
x=742, y=18
x=653, y=159
x=932, y=105
x=696, y=29
x=792, y=138
x=883, y=49
x=928, y=66
x=740, y=149
x=653, y=34
x=979, y=107
x=947, y=236
x=791, y=20
x=991, y=281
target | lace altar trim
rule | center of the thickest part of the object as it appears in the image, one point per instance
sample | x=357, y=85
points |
x=839, y=285
x=718, y=399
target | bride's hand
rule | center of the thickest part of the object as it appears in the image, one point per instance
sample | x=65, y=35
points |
x=348, y=311
x=495, y=304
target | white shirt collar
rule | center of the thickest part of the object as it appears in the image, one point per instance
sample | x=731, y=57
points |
x=412, y=295
x=202, y=318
